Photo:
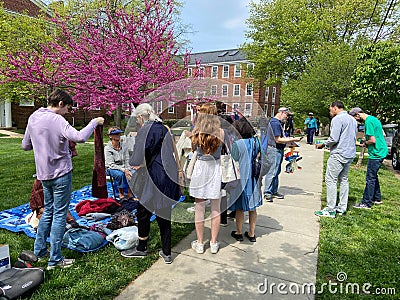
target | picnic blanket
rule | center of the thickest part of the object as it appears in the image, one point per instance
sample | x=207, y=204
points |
x=13, y=219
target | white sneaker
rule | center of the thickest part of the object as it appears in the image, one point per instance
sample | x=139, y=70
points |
x=214, y=247
x=191, y=209
x=196, y=246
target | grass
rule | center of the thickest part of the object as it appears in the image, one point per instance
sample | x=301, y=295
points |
x=365, y=244
x=97, y=275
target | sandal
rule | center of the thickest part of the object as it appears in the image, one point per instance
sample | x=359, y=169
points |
x=238, y=237
x=251, y=238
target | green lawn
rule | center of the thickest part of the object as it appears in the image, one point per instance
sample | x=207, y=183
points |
x=364, y=244
x=96, y=275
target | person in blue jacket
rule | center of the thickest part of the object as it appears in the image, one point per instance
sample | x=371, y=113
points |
x=312, y=127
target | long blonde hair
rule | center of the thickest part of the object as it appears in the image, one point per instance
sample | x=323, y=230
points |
x=206, y=132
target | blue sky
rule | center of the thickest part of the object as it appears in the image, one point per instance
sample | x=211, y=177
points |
x=216, y=24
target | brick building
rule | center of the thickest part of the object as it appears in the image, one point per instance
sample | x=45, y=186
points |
x=228, y=82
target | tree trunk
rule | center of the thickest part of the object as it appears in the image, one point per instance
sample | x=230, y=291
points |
x=117, y=117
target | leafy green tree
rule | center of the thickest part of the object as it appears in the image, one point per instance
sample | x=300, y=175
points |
x=325, y=79
x=19, y=32
x=376, y=82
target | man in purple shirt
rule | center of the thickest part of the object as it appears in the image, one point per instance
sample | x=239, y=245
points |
x=48, y=133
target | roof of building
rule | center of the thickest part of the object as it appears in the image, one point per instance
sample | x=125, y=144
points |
x=215, y=57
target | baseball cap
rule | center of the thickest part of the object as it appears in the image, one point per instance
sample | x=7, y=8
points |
x=114, y=130
x=310, y=114
x=285, y=110
x=354, y=111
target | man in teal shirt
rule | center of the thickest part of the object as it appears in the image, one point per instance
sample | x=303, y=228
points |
x=377, y=151
x=312, y=127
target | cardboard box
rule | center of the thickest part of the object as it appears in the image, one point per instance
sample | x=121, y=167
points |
x=4, y=258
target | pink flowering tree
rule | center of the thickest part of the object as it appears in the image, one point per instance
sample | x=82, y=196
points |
x=114, y=58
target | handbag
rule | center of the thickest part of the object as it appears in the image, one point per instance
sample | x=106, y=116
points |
x=259, y=166
x=230, y=172
x=190, y=167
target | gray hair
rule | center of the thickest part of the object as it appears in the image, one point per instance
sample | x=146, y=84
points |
x=147, y=112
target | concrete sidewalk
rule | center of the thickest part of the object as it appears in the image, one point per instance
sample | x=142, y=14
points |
x=285, y=252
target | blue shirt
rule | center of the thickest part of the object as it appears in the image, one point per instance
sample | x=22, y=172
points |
x=311, y=123
x=342, y=139
x=277, y=129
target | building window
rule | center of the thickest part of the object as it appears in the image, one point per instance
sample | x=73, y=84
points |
x=201, y=72
x=247, y=109
x=272, y=110
x=266, y=109
x=225, y=72
x=235, y=106
x=214, y=72
x=238, y=70
x=266, y=93
x=25, y=102
x=213, y=90
x=249, y=89
x=273, y=93
x=190, y=72
x=188, y=106
x=236, y=90
x=225, y=90
x=250, y=67
x=189, y=90
x=158, y=107
x=171, y=108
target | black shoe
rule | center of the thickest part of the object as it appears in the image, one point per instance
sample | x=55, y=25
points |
x=238, y=237
x=278, y=196
x=134, y=253
x=232, y=214
x=251, y=238
x=224, y=223
x=268, y=198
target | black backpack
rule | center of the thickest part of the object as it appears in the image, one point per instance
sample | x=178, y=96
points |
x=16, y=282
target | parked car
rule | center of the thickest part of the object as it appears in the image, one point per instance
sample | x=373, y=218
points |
x=396, y=150
x=389, y=130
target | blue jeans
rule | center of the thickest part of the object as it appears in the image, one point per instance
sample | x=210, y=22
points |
x=273, y=187
x=310, y=135
x=271, y=159
x=372, y=191
x=57, y=196
x=119, y=178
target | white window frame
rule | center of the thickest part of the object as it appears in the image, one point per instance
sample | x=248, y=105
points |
x=273, y=93
x=249, y=89
x=248, y=109
x=266, y=108
x=235, y=106
x=159, y=107
x=272, y=110
x=238, y=71
x=190, y=72
x=224, y=93
x=225, y=73
x=214, y=71
x=250, y=67
x=188, y=106
x=202, y=71
x=236, y=90
x=25, y=102
x=189, y=90
x=266, y=93
x=171, y=108
x=214, y=89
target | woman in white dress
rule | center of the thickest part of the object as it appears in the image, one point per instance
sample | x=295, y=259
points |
x=207, y=137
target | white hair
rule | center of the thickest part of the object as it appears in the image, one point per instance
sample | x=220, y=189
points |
x=147, y=112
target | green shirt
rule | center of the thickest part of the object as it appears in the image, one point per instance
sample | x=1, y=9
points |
x=373, y=127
